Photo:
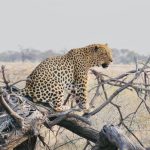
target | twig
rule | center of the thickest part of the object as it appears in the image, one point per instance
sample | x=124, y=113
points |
x=20, y=81
x=86, y=145
x=118, y=91
x=67, y=143
x=4, y=77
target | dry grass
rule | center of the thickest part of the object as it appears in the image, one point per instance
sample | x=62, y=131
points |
x=127, y=100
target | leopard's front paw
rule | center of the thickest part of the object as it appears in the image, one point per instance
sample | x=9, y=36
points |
x=84, y=107
x=62, y=108
x=86, y=111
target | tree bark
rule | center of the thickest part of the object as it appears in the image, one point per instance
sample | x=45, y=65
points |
x=109, y=138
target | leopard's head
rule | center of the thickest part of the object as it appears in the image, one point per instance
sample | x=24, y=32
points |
x=102, y=55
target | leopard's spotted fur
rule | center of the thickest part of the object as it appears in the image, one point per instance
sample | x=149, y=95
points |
x=50, y=77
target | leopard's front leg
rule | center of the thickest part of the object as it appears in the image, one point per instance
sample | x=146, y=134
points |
x=81, y=94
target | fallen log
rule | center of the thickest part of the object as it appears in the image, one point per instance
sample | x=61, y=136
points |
x=109, y=138
x=13, y=133
x=117, y=138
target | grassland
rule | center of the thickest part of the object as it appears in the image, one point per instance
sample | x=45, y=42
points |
x=109, y=115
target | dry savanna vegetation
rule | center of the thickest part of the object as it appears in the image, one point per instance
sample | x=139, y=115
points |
x=129, y=108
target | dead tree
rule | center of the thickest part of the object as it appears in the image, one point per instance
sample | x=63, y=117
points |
x=21, y=119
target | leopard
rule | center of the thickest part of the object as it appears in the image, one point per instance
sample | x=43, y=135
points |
x=52, y=76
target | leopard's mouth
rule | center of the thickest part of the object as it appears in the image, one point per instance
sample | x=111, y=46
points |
x=105, y=65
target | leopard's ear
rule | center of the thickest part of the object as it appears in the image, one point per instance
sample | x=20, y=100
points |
x=95, y=48
x=106, y=44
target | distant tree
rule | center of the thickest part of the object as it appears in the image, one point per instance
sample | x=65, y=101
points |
x=123, y=56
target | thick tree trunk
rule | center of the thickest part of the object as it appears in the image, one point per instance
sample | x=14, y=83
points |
x=115, y=137
x=110, y=137
x=80, y=129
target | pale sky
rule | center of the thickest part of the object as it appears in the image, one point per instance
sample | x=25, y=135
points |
x=66, y=24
